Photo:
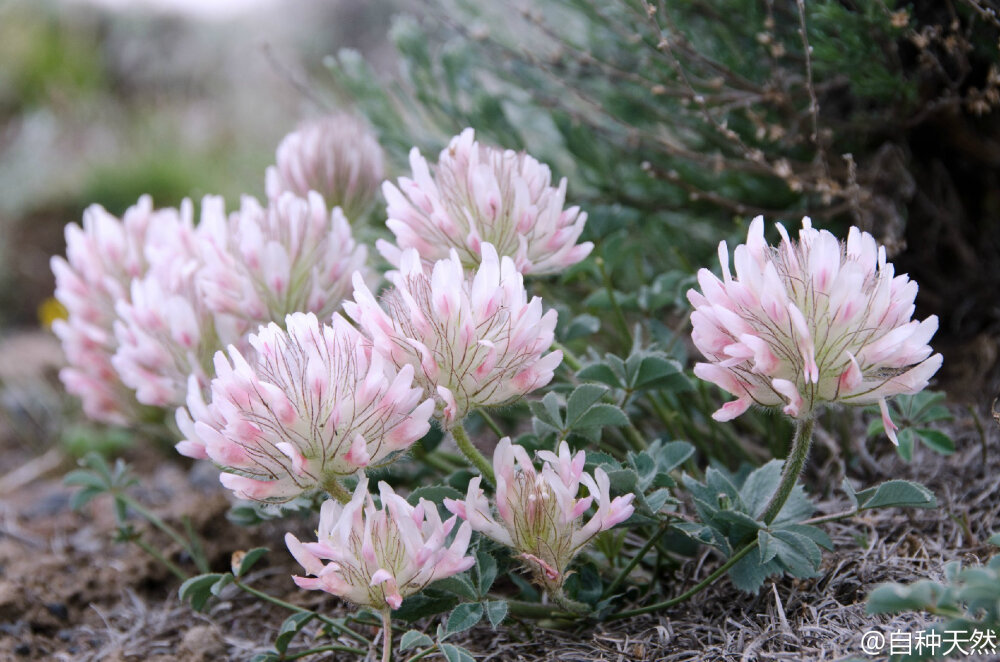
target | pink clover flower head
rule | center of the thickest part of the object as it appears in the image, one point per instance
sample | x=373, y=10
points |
x=809, y=322
x=309, y=405
x=164, y=330
x=375, y=557
x=262, y=263
x=473, y=340
x=102, y=258
x=540, y=513
x=337, y=156
x=477, y=194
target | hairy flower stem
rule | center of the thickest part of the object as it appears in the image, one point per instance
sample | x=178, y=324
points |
x=472, y=453
x=570, y=605
x=170, y=565
x=302, y=610
x=792, y=468
x=697, y=588
x=387, y=635
x=189, y=546
x=490, y=423
x=641, y=554
x=569, y=358
x=336, y=490
x=619, y=315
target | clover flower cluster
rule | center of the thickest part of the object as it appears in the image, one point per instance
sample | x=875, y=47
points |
x=378, y=556
x=309, y=405
x=150, y=298
x=474, y=340
x=540, y=513
x=477, y=195
x=810, y=322
x=291, y=256
x=336, y=156
x=102, y=258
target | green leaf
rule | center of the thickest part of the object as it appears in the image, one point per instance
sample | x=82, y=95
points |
x=269, y=656
x=223, y=582
x=904, y=444
x=84, y=496
x=748, y=573
x=454, y=653
x=197, y=589
x=463, y=617
x=766, y=547
x=602, y=415
x=896, y=598
x=760, y=486
x=671, y=454
x=247, y=560
x=804, y=548
x=486, y=571
x=936, y=440
x=581, y=326
x=460, y=585
x=86, y=478
x=581, y=400
x=414, y=639
x=600, y=372
x=496, y=611
x=436, y=494
x=426, y=603
x=815, y=534
x=292, y=626
x=994, y=539
x=896, y=493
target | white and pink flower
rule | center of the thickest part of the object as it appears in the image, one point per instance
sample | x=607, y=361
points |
x=263, y=263
x=336, y=156
x=810, y=322
x=308, y=406
x=472, y=340
x=165, y=331
x=102, y=259
x=476, y=195
x=540, y=514
x=375, y=557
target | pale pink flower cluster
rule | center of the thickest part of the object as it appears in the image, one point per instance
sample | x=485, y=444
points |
x=310, y=405
x=810, y=322
x=95, y=280
x=292, y=256
x=165, y=330
x=336, y=156
x=377, y=557
x=476, y=195
x=474, y=340
x=540, y=514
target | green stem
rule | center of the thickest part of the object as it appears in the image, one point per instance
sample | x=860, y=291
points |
x=792, y=468
x=155, y=553
x=697, y=588
x=302, y=610
x=424, y=653
x=155, y=520
x=472, y=453
x=490, y=423
x=336, y=490
x=831, y=518
x=387, y=635
x=569, y=358
x=635, y=438
x=635, y=560
x=533, y=609
x=619, y=315
x=324, y=649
